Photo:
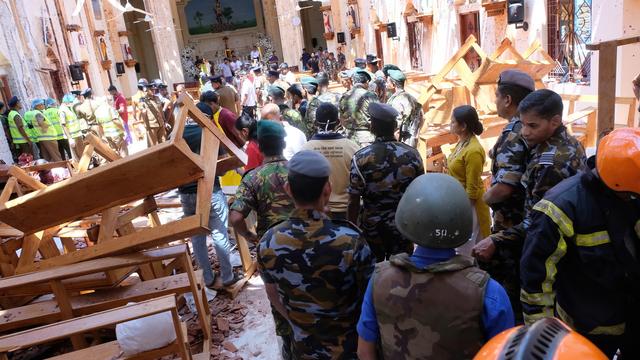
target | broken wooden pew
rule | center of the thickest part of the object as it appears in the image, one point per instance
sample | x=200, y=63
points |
x=102, y=190
x=67, y=304
x=75, y=328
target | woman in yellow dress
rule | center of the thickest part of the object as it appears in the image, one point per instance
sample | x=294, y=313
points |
x=465, y=164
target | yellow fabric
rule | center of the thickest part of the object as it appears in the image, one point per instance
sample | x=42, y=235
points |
x=465, y=164
x=556, y=215
x=593, y=239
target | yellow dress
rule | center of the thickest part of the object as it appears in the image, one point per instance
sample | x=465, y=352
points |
x=465, y=164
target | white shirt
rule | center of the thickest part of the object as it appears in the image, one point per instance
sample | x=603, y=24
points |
x=255, y=54
x=226, y=70
x=248, y=92
x=295, y=140
x=290, y=78
x=238, y=64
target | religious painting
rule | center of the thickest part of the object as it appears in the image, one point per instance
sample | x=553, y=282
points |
x=103, y=48
x=127, y=54
x=214, y=16
x=353, y=19
x=326, y=20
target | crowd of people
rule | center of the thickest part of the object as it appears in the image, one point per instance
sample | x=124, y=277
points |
x=364, y=255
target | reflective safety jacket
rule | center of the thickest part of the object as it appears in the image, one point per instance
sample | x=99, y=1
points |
x=577, y=261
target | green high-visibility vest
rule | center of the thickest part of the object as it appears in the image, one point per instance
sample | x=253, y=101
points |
x=49, y=134
x=13, y=128
x=31, y=125
x=53, y=116
x=71, y=122
x=105, y=115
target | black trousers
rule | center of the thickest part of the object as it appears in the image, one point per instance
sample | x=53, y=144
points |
x=65, y=150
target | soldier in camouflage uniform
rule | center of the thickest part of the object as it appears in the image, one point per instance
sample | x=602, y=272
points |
x=506, y=195
x=410, y=116
x=379, y=84
x=434, y=304
x=554, y=156
x=324, y=96
x=292, y=116
x=262, y=191
x=379, y=175
x=354, y=109
x=316, y=269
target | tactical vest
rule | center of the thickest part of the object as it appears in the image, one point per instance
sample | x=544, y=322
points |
x=71, y=122
x=36, y=130
x=13, y=128
x=104, y=115
x=430, y=313
x=53, y=117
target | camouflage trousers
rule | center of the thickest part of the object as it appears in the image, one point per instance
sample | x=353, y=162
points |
x=343, y=347
x=361, y=137
x=283, y=329
x=385, y=240
x=504, y=267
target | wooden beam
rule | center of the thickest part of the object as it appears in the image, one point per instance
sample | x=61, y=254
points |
x=25, y=179
x=147, y=238
x=102, y=148
x=607, y=87
x=614, y=43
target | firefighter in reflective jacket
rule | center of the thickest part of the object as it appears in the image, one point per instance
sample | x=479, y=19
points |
x=579, y=261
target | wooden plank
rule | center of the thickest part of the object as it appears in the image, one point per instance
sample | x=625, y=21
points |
x=102, y=148
x=89, y=267
x=108, y=224
x=101, y=188
x=607, y=88
x=613, y=43
x=30, y=246
x=66, y=312
x=47, y=166
x=8, y=190
x=85, y=159
x=47, y=311
x=67, y=328
x=25, y=179
x=208, y=150
x=201, y=302
x=143, y=209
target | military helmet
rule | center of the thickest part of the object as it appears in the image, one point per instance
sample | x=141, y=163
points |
x=435, y=212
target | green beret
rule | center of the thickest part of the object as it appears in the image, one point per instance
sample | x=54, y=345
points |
x=308, y=80
x=397, y=75
x=270, y=128
x=387, y=67
x=276, y=91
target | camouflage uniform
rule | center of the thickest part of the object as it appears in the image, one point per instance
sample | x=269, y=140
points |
x=509, y=162
x=262, y=190
x=558, y=158
x=327, y=97
x=321, y=268
x=294, y=118
x=380, y=173
x=354, y=114
x=410, y=118
x=378, y=86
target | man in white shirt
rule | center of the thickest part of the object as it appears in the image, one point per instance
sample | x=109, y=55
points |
x=225, y=67
x=295, y=138
x=248, y=95
x=255, y=56
x=286, y=75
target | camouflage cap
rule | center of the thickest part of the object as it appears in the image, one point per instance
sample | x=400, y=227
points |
x=372, y=59
x=360, y=62
x=270, y=128
x=517, y=78
x=310, y=163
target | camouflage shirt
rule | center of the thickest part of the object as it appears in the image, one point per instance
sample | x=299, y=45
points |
x=262, y=190
x=354, y=108
x=380, y=173
x=410, y=117
x=321, y=269
x=294, y=118
x=508, y=163
x=327, y=97
x=550, y=162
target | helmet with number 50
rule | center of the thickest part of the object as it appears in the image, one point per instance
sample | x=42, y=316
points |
x=435, y=212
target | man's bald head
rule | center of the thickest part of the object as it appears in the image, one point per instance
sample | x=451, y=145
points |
x=270, y=112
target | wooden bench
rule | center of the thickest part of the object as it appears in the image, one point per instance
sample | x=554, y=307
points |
x=67, y=304
x=75, y=328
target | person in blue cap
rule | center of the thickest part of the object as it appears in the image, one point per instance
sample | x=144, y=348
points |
x=47, y=135
x=53, y=114
x=315, y=269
